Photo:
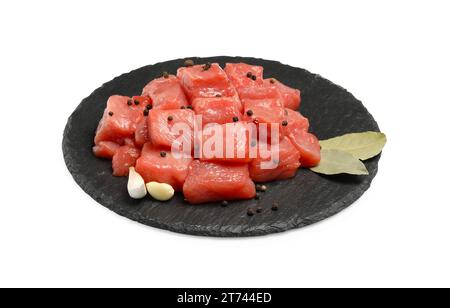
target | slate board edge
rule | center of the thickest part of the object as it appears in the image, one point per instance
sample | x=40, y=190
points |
x=182, y=228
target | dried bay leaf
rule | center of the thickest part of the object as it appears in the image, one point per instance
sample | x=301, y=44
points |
x=361, y=145
x=339, y=162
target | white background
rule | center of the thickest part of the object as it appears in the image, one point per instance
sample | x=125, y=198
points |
x=393, y=55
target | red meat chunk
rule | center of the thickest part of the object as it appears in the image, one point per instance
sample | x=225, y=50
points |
x=211, y=182
x=217, y=110
x=259, y=92
x=232, y=144
x=275, y=164
x=295, y=122
x=271, y=117
x=124, y=158
x=166, y=93
x=250, y=104
x=241, y=74
x=200, y=81
x=141, y=135
x=167, y=126
x=308, y=146
x=291, y=97
x=166, y=168
x=106, y=149
x=119, y=119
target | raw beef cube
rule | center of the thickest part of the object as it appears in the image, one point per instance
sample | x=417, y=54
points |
x=272, y=89
x=308, y=146
x=272, y=118
x=119, y=119
x=266, y=167
x=198, y=81
x=167, y=126
x=228, y=142
x=241, y=74
x=157, y=165
x=141, y=135
x=259, y=92
x=124, y=158
x=105, y=149
x=295, y=122
x=291, y=97
x=263, y=96
x=166, y=93
x=250, y=104
x=217, y=110
x=211, y=182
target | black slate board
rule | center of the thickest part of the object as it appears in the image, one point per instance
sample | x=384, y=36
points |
x=306, y=199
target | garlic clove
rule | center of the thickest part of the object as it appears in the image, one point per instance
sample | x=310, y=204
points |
x=136, y=185
x=160, y=191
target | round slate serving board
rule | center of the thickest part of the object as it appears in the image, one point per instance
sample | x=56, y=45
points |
x=304, y=200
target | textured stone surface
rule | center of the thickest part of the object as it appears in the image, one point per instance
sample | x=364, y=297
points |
x=306, y=199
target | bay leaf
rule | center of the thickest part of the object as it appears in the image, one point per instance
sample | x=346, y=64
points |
x=361, y=145
x=338, y=162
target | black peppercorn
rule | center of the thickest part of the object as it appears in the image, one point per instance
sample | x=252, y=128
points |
x=111, y=113
x=146, y=113
x=207, y=66
x=250, y=212
x=275, y=207
x=249, y=113
x=284, y=123
x=170, y=118
x=224, y=203
x=166, y=75
x=235, y=119
x=163, y=154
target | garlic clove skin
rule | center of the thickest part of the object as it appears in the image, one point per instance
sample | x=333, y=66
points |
x=160, y=191
x=136, y=185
